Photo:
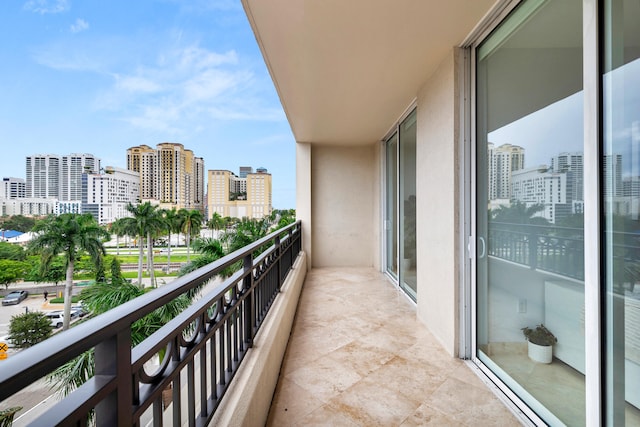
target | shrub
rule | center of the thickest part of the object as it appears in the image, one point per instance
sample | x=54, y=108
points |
x=540, y=335
x=30, y=328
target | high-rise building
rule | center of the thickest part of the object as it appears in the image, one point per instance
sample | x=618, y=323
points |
x=58, y=177
x=244, y=170
x=13, y=188
x=233, y=196
x=43, y=176
x=542, y=186
x=612, y=165
x=106, y=194
x=72, y=167
x=502, y=162
x=572, y=164
x=170, y=175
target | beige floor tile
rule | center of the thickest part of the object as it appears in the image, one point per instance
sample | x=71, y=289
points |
x=357, y=356
x=291, y=403
x=425, y=415
x=470, y=405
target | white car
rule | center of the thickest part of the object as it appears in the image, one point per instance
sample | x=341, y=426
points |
x=57, y=317
x=7, y=340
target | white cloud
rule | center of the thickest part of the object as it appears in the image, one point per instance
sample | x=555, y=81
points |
x=168, y=90
x=47, y=6
x=136, y=84
x=79, y=25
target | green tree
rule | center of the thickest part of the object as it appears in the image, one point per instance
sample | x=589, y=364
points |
x=146, y=222
x=191, y=223
x=11, y=251
x=30, y=328
x=116, y=272
x=210, y=251
x=245, y=232
x=519, y=213
x=68, y=235
x=54, y=273
x=18, y=223
x=216, y=222
x=118, y=228
x=11, y=271
x=172, y=223
x=100, y=298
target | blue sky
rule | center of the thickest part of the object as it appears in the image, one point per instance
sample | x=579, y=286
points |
x=99, y=77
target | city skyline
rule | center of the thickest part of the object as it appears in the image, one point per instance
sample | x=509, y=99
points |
x=100, y=78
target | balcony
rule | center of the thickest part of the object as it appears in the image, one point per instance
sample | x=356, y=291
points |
x=357, y=355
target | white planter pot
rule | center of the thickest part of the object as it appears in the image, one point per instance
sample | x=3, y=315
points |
x=540, y=353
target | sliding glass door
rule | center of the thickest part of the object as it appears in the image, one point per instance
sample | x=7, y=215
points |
x=621, y=204
x=529, y=207
x=400, y=208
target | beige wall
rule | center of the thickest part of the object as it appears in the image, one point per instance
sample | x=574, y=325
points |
x=345, y=206
x=437, y=203
x=303, y=195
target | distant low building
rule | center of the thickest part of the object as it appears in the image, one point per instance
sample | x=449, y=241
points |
x=234, y=196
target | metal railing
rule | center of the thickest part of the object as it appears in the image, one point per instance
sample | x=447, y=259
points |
x=558, y=250
x=200, y=349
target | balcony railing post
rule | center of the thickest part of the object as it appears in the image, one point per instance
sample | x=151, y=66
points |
x=533, y=249
x=250, y=307
x=113, y=359
x=278, y=251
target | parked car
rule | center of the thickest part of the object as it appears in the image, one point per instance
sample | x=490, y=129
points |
x=78, y=311
x=15, y=297
x=7, y=340
x=57, y=317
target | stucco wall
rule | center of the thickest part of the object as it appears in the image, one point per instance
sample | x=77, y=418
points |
x=345, y=204
x=437, y=204
x=303, y=195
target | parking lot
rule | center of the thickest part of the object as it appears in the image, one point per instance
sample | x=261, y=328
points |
x=32, y=303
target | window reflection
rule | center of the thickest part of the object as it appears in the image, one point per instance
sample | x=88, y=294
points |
x=530, y=203
x=621, y=167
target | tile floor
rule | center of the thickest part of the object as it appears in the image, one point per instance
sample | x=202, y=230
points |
x=357, y=356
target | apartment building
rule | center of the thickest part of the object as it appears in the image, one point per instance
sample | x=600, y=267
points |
x=170, y=175
x=106, y=195
x=13, y=188
x=502, y=162
x=234, y=196
x=406, y=102
x=28, y=206
x=58, y=177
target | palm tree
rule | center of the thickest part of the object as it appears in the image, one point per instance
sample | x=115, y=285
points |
x=216, y=222
x=99, y=298
x=210, y=250
x=146, y=221
x=118, y=229
x=172, y=223
x=69, y=234
x=191, y=223
x=246, y=232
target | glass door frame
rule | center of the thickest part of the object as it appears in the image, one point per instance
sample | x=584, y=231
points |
x=394, y=132
x=594, y=329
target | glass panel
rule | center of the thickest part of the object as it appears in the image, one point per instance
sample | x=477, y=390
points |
x=391, y=220
x=529, y=192
x=408, y=204
x=621, y=174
